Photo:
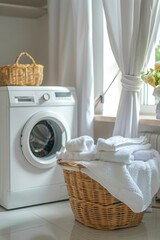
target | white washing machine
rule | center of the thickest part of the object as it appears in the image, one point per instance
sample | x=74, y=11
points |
x=35, y=122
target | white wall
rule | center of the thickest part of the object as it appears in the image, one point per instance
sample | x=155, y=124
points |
x=31, y=35
x=105, y=129
x=20, y=34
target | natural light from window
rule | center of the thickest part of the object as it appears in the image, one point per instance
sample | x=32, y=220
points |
x=110, y=70
x=112, y=91
x=148, y=101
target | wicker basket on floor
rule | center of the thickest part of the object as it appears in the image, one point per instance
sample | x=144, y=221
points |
x=92, y=204
x=21, y=74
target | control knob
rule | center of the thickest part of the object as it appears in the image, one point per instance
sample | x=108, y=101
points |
x=46, y=96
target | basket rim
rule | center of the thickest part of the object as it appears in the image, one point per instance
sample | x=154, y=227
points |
x=20, y=65
x=70, y=164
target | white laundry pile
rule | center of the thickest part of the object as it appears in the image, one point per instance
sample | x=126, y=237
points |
x=122, y=150
x=81, y=148
x=117, y=142
x=128, y=168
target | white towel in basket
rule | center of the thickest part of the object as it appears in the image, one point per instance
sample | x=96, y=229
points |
x=80, y=144
x=117, y=142
x=76, y=156
x=124, y=155
x=134, y=184
x=143, y=155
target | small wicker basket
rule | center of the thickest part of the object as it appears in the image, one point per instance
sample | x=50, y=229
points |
x=21, y=74
x=92, y=204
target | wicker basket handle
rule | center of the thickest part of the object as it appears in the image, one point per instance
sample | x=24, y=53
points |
x=26, y=54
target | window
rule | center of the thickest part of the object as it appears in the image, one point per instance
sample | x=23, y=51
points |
x=112, y=88
x=148, y=101
x=105, y=66
x=158, y=52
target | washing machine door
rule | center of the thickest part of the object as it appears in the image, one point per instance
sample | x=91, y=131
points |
x=43, y=135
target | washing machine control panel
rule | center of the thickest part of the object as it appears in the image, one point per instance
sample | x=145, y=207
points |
x=42, y=96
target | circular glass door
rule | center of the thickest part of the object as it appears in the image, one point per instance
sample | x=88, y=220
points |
x=42, y=136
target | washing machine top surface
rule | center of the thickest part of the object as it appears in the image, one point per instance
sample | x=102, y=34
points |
x=40, y=95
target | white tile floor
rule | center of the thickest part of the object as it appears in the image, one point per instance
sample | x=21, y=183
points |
x=55, y=221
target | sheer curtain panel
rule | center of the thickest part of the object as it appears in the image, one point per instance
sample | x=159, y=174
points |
x=83, y=50
x=130, y=27
x=71, y=54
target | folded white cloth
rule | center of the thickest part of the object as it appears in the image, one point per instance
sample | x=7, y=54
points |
x=76, y=156
x=80, y=144
x=124, y=155
x=134, y=184
x=117, y=142
x=143, y=155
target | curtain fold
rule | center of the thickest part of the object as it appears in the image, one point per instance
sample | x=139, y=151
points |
x=53, y=38
x=83, y=50
x=131, y=36
x=71, y=54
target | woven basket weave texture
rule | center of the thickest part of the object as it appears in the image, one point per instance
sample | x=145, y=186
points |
x=93, y=205
x=21, y=74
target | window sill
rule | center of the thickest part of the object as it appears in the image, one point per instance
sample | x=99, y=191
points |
x=148, y=120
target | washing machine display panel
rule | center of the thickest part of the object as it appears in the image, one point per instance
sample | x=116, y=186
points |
x=45, y=139
x=63, y=94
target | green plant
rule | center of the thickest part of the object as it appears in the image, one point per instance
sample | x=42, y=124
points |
x=158, y=52
x=152, y=76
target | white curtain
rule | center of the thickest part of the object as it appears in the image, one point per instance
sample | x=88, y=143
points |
x=53, y=38
x=131, y=27
x=71, y=54
x=82, y=19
